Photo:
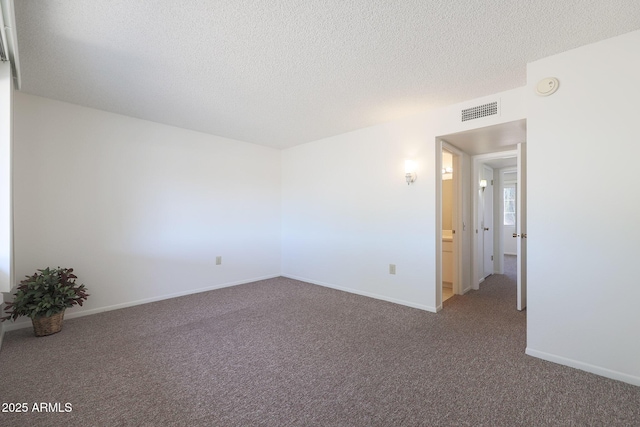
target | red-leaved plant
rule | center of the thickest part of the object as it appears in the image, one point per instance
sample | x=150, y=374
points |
x=47, y=292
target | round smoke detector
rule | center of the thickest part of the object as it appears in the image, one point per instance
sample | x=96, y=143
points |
x=546, y=87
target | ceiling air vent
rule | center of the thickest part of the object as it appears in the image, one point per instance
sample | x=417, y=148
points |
x=490, y=109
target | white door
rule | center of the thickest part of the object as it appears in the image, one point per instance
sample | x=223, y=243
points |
x=521, y=227
x=487, y=221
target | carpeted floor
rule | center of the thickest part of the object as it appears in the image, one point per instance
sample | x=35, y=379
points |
x=285, y=353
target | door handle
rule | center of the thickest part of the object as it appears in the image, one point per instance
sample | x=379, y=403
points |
x=486, y=229
x=516, y=235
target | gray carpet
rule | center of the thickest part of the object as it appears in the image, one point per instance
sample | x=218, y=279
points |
x=284, y=353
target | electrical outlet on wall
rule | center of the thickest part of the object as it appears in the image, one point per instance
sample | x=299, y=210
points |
x=392, y=269
x=218, y=260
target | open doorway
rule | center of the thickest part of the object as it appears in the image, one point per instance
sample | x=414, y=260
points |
x=489, y=205
x=452, y=234
x=449, y=215
x=488, y=154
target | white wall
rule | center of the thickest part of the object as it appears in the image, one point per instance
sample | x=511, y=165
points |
x=6, y=249
x=583, y=286
x=140, y=209
x=348, y=212
x=6, y=91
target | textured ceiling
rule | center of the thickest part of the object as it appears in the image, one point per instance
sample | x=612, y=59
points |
x=286, y=72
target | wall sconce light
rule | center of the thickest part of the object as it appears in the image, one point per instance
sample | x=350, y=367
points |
x=410, y=171
x=483, y=184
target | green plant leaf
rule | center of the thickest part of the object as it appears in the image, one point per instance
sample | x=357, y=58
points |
x=47, y=292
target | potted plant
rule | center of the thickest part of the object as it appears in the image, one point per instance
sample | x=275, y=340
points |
x=44, y=297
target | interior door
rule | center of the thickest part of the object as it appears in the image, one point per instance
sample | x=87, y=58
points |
x=521, y=227
x=487, y=221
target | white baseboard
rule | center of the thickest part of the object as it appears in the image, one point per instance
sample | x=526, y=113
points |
x=26, y=322
x=604, y=372
x=365, y=294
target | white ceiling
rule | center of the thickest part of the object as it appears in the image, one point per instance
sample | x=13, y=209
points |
x=506, y=162
x=489, y=139
x=286, y=72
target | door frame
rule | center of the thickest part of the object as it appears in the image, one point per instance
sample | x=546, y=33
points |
x=457, y=222
x=477, y=163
